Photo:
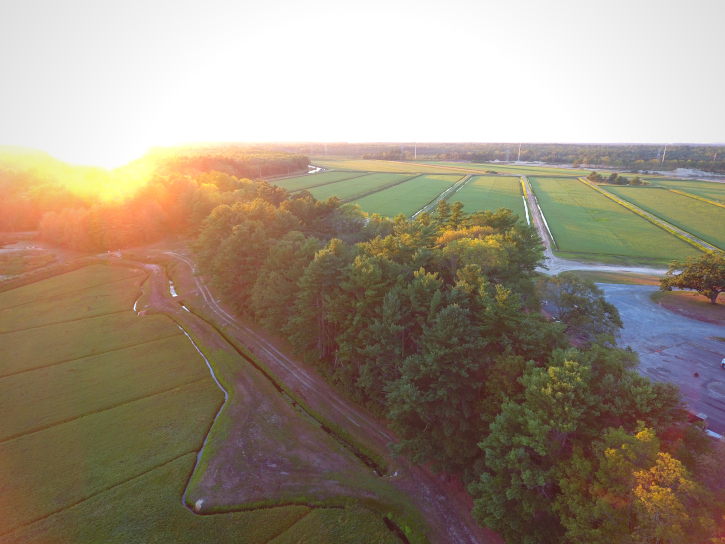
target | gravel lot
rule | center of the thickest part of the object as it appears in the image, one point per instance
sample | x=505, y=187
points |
x=673, y=348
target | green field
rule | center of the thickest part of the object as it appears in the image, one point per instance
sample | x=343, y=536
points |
x=517, y=169
x=103, y=413
x=584, y=221
x=491, y=193
x=351, y=187
x=704, y=220
x=312, y=180
x=372, y=165
x=706, y=189
x=409, y=197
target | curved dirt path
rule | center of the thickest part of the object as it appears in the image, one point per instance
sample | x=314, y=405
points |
x=443, y=502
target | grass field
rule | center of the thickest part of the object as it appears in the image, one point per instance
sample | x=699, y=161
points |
x=491, y=193
x=706, y=189
x=517, y=169
x=311, y=180
x=103, y=413
x=586, y=222
x=704, y=220
x=409, y=197
x=351, y=187
x=372, y=165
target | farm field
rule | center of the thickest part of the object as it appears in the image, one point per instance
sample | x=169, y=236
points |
x=375, y=166
x=356, y=186
x=516, y=169
x=491, y=193
x=704, y=220
x=311, y=180
x=440, y=167
x=584, y=221
x=706, y=189
x=409, y=197
x=104, y=412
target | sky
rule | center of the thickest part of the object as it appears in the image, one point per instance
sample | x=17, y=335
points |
x=95, y=82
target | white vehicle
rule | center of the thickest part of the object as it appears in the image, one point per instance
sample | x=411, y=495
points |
x=722, y=365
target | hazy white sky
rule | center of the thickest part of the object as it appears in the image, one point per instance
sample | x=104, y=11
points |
x=99, y=82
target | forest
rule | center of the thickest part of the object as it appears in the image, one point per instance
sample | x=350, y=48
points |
x=166, y=191
x=436, y=325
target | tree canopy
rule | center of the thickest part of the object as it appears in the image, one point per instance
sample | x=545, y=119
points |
x=706, y=275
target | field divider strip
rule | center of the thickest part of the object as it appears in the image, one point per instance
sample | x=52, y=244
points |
x=445, y=194
x=87, y=356
x=60, y=322
x=362, y=175
x=100, y=492
x=99, y=411
x=683, y=235
x=530, y=191
x=381, y=188
x=701, y=198
x=63, y=295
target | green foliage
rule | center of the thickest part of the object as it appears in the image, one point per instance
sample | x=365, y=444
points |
x=706, y=275
x=580, y=304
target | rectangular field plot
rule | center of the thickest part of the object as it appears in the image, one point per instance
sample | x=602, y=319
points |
x=83, y=386
x=313, y=180
x=704, y=220
x=490, y=193
x=70, y=282
x=585, y=221
x=706, y=189
x=516, y=169
x=356, y=186
x=34, y=348
x=99, y=300
x=375, y=166
x=409, y=197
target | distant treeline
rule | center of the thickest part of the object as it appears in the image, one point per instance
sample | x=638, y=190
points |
x=136, y=202
x=622, y=156
x=435, y=324
x=173, y=204
x=237, y=161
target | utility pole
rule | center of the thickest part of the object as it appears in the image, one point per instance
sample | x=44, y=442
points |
x=325, y=148
x=519, y=158
x=508, y=149
x=416, y=151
